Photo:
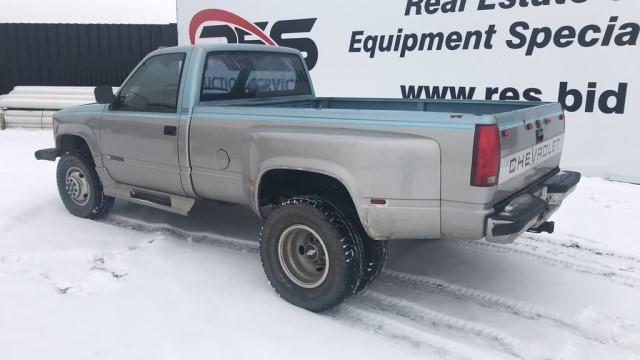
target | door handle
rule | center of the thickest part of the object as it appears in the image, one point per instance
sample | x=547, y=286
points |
x=170, y=130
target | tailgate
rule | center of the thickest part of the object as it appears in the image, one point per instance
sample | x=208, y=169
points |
x=531, y=142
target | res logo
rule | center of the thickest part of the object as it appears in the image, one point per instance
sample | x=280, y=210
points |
x=222, y=24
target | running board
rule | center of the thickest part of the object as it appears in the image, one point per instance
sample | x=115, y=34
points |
x=155, y=199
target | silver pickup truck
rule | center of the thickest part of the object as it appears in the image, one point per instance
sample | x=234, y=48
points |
x=334, y=178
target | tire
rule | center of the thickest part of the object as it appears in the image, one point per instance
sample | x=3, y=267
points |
x=375, y=257
x=375, y=251
x=80, y=188
x=310, y=254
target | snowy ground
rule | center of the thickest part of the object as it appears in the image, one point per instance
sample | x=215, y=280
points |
x=143, y=284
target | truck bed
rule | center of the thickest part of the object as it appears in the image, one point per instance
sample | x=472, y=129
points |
x=510, y=116
x=474, y=107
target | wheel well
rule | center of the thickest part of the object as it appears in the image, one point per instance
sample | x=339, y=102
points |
x=281, y=184
x=68, y=143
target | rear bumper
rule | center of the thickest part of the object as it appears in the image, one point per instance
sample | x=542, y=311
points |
x=529, y=209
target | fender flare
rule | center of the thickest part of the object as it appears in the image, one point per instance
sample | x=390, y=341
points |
x=337, y=172
x=83, y=132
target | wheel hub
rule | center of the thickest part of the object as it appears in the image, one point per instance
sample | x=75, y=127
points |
x=77, y=186
x=309, y=250
x=303, y=256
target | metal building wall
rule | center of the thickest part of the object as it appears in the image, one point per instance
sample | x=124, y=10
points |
x=75, y=54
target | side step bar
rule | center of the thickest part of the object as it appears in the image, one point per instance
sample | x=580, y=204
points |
x=155, y=199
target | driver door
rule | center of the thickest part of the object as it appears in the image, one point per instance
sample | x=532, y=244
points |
x=139, y=132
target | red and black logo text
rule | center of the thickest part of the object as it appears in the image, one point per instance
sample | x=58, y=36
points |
x=222, y=24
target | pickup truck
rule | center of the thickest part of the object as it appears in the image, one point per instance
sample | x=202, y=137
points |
x=333, y=178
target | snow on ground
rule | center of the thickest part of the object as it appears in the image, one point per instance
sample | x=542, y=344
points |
x=147, y=284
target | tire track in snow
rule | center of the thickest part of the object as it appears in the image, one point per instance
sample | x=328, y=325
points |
x=430, y=318
x=226, y=242
x=346, y=313
x=496, y=302
x=394, y=329
x=613, y=275
x=356, y=317
x=572, y=248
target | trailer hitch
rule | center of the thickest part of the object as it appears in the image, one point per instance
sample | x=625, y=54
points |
x=547, y=226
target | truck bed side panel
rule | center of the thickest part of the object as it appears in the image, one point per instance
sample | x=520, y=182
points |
x=403, y=169
x=371, y=163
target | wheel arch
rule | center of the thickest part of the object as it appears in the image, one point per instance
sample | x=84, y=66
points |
x=74, y=142
x=278, y=183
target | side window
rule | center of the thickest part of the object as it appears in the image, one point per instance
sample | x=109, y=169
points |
x=154, y=86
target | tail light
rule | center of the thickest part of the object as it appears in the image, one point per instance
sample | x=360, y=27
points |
x=486, y=156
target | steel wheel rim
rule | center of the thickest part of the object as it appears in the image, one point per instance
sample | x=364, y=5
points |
x=77, y=186
x=303, y=256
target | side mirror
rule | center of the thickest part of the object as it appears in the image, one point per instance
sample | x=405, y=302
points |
x=104, y=94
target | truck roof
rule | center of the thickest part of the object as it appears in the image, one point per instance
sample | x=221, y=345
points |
x=227, y=47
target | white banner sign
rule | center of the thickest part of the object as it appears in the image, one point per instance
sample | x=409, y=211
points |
x=582, y=53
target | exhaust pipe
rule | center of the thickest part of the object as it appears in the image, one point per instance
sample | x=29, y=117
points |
x=547, y=226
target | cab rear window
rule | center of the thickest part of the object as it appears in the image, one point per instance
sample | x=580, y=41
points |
x=253, y=74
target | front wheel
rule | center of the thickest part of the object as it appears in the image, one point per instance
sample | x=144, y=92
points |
x=80, y=188
x=310, y=254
